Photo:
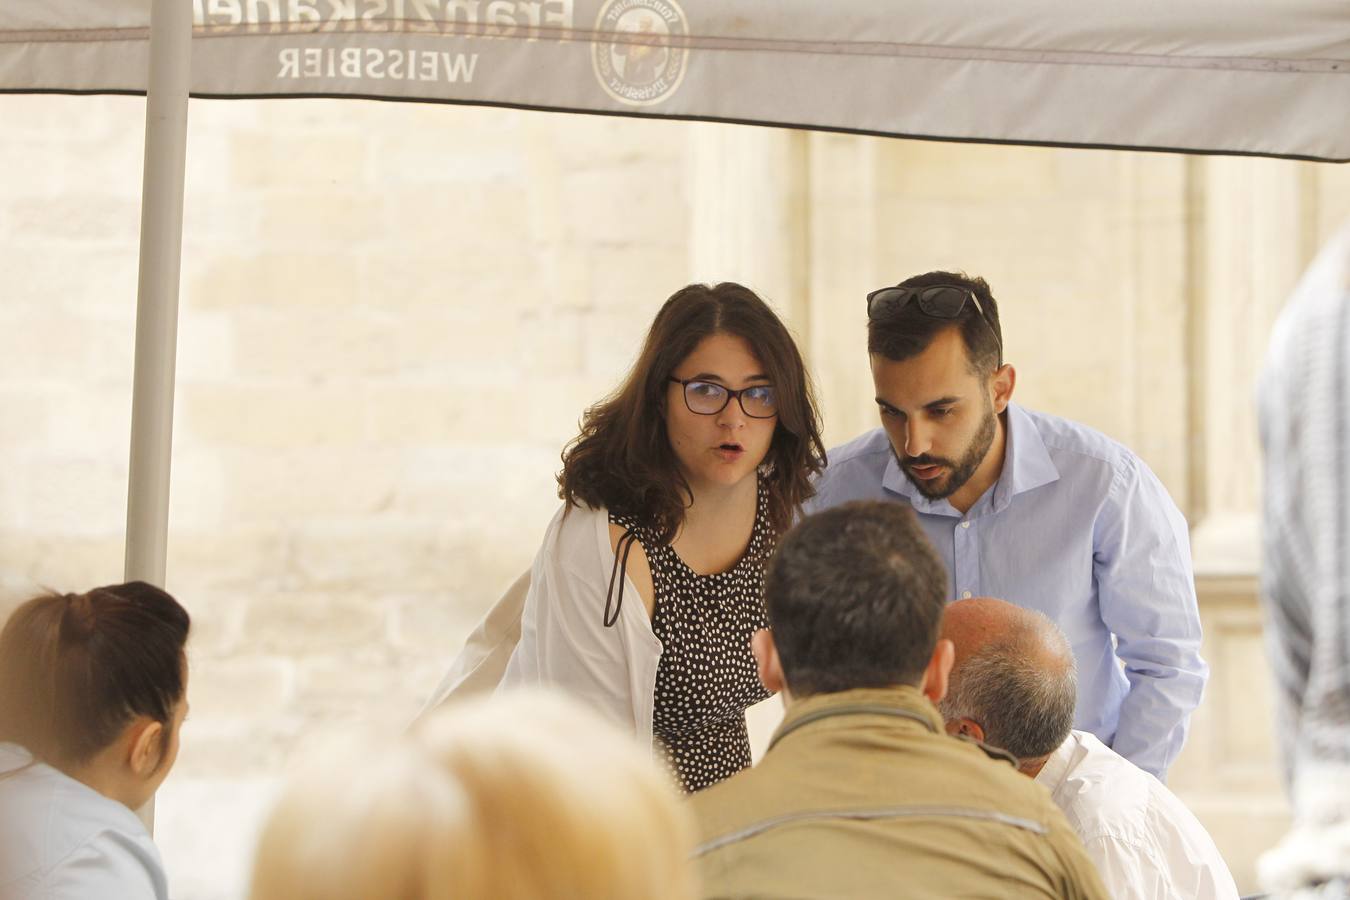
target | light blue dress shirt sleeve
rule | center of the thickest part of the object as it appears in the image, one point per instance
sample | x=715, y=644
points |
x=1146, y=594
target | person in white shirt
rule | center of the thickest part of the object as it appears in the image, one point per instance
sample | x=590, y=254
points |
x=650, y=580
x=93, y=691
x=1014, y=687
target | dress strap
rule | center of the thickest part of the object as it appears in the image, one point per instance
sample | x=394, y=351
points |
x=619, y=571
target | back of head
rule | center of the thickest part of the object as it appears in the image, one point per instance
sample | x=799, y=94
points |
x=855, y=597
x=76, y=669
x=362, y=821
x=1020, y=686
x=566, y=805
x=513, y=797
x=906, y=333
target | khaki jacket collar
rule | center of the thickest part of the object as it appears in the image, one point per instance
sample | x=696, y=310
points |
x=904, y=703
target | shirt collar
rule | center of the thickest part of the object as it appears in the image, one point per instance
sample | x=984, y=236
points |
x=1026, y=465
x=1025, y=456
x=13, y=757
x=1056, y=768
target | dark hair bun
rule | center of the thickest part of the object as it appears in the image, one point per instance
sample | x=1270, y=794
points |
x=76, y=669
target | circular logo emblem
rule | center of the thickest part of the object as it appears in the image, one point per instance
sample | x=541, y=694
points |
x=642, y=57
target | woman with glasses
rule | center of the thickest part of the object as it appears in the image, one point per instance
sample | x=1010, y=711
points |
x=649, y=583
x=93, y=692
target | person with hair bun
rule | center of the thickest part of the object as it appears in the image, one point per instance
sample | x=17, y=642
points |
x=650, y=580
x=93, y=692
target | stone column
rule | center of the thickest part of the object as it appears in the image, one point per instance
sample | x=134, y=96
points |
x=747, y=219
x=1253, y=232
x=843, y=203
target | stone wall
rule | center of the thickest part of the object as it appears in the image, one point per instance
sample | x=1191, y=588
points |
x=392, y=316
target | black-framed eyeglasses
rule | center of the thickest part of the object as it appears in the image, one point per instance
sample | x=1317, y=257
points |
x=708, y=398
x=940, y=301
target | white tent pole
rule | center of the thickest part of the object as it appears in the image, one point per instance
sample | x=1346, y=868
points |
x=166, y=103
x=157, y=297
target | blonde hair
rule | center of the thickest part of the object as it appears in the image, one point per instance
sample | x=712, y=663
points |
x=523, y=796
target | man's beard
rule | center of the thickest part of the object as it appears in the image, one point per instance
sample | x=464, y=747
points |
x=959, y=472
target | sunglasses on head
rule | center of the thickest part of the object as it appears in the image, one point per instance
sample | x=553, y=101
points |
x=938, y=301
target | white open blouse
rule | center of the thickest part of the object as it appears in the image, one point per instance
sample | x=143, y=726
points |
x=548, y=629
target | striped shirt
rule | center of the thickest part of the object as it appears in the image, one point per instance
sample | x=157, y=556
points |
x=1304, y=398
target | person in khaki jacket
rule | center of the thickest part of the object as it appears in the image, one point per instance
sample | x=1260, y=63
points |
x=862, y=794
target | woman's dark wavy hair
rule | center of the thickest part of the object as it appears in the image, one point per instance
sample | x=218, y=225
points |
x=622, y=459
x=75, y=669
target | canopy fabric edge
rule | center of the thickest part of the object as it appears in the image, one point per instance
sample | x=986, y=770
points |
x=1150, y=76
x=711, y=42
x=675, y=117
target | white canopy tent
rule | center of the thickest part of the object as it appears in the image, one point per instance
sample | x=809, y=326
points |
x=1208, y=76
x=1213, y=76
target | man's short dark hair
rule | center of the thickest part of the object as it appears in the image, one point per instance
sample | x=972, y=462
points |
x=907, y=333
x=855, y=597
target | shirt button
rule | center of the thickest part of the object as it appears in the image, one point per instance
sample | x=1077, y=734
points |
x=965, y=595
x=965, y=524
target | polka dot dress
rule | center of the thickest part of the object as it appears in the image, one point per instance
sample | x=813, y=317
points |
x=706, y=677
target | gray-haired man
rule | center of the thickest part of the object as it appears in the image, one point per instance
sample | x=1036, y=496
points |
x=1014, y=686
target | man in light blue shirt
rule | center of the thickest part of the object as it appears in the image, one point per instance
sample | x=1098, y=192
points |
x=1034, y=509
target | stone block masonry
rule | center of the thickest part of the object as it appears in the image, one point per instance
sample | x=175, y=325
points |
x=393, y=316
